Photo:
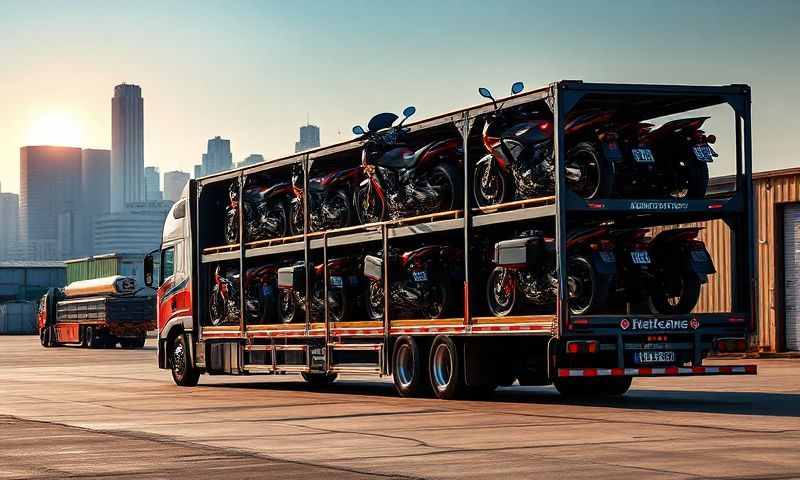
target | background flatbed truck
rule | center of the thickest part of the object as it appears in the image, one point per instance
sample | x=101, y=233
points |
x=468, y=353
x=96, y=313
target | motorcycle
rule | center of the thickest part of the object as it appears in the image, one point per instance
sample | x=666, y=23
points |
x=521, y=159
x=421, y=281
x=682, y=154
x=634, y=272
x=265, y=208
x=232, y=215
x=681, y=264
x=527, y=266
x=343, y=285
x=401, y=181
x=329, y=201
x=223, y=304
x=260, y=295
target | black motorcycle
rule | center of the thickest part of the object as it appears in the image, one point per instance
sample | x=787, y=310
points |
x=422, y=282
x=330, y=201
x=223, y=304
x=265, y=208
x=343, y=289
x=403, y=182
x=261, y=295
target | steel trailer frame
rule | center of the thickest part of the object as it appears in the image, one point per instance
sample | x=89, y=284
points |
x=561, y=97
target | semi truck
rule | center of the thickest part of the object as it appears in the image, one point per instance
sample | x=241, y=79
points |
x=223, y=297
x=96, y=313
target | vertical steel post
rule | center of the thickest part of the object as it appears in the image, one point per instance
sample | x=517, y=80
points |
x=562, y=312
x=736, y=224
x=306, y=247
x=465, y=128
x=749, y=238
x=242, y=327
x=387, y=323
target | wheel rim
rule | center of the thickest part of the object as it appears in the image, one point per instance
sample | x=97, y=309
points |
x=442, y=367
x=179, y=360
x=336, y=304
x=368, y=208
x=589, y=181
x=375, y=300
x=502, y=293
x=339, y=203
x=490, y=185
x=444, y=185
x=215, y=309
x=580, y=286
x=286, y=304
x=276, y=222
x=437, y=300
x=405, y=365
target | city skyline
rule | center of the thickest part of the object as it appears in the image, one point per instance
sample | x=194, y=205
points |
x=259, y=110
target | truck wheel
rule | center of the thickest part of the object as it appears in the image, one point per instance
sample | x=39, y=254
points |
x=52, y=336
x=183, y=373
x=319, y=379
x=139, y=342
x=83, y=337
x=91, y=337
x=409, y=369
x=43, y=337
x=445, y=368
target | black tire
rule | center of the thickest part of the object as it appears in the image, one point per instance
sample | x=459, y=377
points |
x=43, y=337
x=587, y=293
x=369, y=208
x=83, y=338
x=501, y=299
x=287, y=306
x=339, y=304
x=138, y=342
x=409, y=367
x=297, y=218
x=52, y=336
x=319, y=379
x=697, y=180
x=441, y=306
x=374, y=300
x=489, y=184
x=446, y=370
x=664, y=302
x=448, y=181
x=217, y=312
x=91, y=338
x=184, y=374
x=593, y=387
x=347, y=208
x=278, y=213
x=597, y=172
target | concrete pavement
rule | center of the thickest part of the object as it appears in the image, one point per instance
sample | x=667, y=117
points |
x=81, y=406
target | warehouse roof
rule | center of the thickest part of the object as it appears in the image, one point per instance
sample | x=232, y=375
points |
x=31, y=264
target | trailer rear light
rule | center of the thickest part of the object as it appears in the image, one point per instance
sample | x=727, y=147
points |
x=736, y=320
x=595, y=205
x=656, y=338
x=731, y=345
x=583, y=346
x=577, y=322
x=715, y=206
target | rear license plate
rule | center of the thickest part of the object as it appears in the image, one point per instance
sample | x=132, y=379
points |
x=607, y=256
x=643, y=155
x=337, y=282
x=699, y=256
x=640, y=257
x=420, y=276
x=704, y=153
x=654, y=357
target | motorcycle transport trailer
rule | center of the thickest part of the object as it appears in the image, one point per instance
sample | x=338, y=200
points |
x=462, y=348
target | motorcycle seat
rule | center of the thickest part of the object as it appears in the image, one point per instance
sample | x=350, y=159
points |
x=315, y=184
x=397, y=158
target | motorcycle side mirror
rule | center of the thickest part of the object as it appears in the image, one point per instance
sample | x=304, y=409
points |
x=148, y=270
x=484, y=92
x=411, y=110
x=517, y=87
x=358, y=130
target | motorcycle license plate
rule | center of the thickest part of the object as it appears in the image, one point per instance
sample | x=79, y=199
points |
x=704, y=153
x=640, y=257
x=654, y=357
x=420, y=276
x=643, y=155
x=699, y=256
x=337, y=282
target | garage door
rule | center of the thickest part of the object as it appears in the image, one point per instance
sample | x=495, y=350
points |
x=791, y=269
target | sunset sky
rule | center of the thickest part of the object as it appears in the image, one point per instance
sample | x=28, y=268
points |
x=252, y=71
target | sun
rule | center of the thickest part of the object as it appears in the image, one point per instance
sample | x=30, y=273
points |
x=55, y=128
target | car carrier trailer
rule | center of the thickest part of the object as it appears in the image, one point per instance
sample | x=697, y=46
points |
x=470, y=351
x=96, y=313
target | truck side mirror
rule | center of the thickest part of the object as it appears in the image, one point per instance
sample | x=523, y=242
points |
x=148, y=270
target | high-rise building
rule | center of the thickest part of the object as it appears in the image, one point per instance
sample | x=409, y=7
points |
x=127, y=146
x=50, y=197
x=174, y=182
x=309, y=138
x=135, y=230
x=95, y=195
x=198, y=171
x=9, y=217
x=152, y=184
x=251, y=159
x=217, y=158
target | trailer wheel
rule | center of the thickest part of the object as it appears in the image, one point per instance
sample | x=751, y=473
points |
x=43, y=337
x=139, y=342
x=409, y=368
x=91, y=337
x=52, y=336
x=83, y=337
x=445, y=368
x=183, y=372
x=319, y=379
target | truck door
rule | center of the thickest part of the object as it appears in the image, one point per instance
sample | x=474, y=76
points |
x=174, y=297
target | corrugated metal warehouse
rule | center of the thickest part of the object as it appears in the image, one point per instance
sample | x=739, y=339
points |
x=777, y=212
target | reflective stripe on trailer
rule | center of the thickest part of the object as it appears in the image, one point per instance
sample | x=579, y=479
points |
x=658, y=372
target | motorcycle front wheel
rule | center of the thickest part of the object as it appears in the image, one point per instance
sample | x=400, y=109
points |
x=297, y=220
x=338, y=305
x=287, y=307
x=591, y=173
x=438, y=300
x=277, y=223
x=501, y=292
x=587, y=293
x=489, y=184
x=340, y=203
x=216, y=308
x=369, y=207
x=231, y=227
x=679, y=300
x=375, y=300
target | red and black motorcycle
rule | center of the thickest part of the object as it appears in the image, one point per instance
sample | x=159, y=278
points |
x=223, y=303
x=265, y=209
x=681, y=264
x=401, y=181
x=526, y=267
x=422, y=281
x=634, y=268
x=330, y=201
x=344, y=287
x=261, y=294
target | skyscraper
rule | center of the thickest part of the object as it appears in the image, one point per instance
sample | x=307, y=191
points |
x=174, y=182
x=251, y=159
x=127, y=146
x=309, y=138
x=217, y=158
x=50, y=197
x=152, y=184
x=95, y=193
x=137, y=230
x=9, y=217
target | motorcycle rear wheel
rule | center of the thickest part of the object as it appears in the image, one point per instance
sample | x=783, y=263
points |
x=664, y=302
x=368, y=206
x=439, y=306
x=287, y=307
x=501, y=299
x=375, y=300
x=297, y=220
x=489, y=185
x=216, y=309
x=586, y=292
x=447, y=181
x=597, y=172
